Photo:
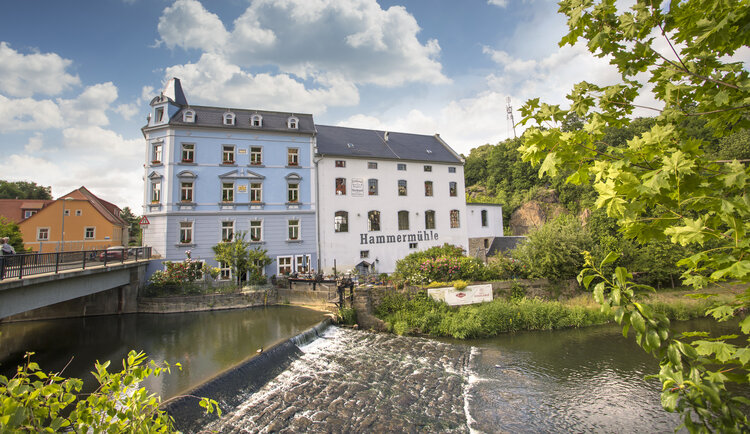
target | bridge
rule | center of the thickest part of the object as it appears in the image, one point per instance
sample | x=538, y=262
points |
x=33, y=281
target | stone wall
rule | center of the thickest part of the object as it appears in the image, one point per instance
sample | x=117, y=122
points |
x=198, y=303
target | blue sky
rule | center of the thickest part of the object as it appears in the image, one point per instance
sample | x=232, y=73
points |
x=76, y=77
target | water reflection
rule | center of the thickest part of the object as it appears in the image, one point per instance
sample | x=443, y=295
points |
x=205, y=343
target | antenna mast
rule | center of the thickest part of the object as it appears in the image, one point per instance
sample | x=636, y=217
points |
x=509, y=116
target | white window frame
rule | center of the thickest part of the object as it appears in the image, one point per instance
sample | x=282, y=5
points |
x=259, y=228
x=372, y=165
x=292, y=157
x=292, y=192
x=78, y=213
x=294, y=229
x=225, y=271
x=401, y=166
x=227, y=152
x=28, y=213
x=156, y=191
x=188, y=116
x=256, y=189
x=279, y=260
x=187, y=191
x=186, y=228
x=300, y=261
x=93, y=233
x=42, y=230
x=256, y=155
x=451, y=169
x=66, y=213
x=227, y=193
x=229, y=118
x=156, y=153
x=227, y=231
x=187, y=150
x=256, y=120
x=292, y=123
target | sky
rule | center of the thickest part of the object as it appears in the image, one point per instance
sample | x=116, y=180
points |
x=76, y=77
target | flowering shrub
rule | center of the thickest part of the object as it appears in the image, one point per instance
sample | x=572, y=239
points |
x=177, y=273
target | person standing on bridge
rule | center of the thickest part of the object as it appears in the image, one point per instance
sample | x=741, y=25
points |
x=5, y=250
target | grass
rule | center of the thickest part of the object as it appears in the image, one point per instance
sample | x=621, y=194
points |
x=423, y=315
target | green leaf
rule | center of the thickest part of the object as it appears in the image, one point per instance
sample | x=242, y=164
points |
x=652, y=337
x=636, y=320
x=610, y=258
x=669, y=400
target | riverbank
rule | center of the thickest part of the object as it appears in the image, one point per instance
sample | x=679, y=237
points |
x=419, y=314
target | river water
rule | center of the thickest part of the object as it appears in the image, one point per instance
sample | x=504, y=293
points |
x=576, y=380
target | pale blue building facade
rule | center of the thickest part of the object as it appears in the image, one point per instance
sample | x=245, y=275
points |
x=212, y=172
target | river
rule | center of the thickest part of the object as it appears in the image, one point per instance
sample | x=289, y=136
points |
x=576, y=380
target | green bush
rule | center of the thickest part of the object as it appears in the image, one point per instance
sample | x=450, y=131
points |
x=347, y=315
x=442, y=264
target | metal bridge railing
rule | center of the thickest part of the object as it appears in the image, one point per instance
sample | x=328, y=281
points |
x=28, y=264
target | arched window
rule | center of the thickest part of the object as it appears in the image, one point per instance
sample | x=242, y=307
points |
x=292, y=123
x=188, y=116
x=429, y=219
x=455, y=220
x=256, y=120
x=229, y=118
x=403, y=220
x=373, y=221
x=341, y=221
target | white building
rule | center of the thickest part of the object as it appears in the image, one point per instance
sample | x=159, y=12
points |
x=384, y=195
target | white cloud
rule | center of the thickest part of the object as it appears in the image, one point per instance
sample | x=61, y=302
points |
x=28, y=114
x=212, y=80
x=23, y=75
x=96, y=142
x=90, y=107
x=501, y=3
x=188, y=24
x=355, y=40
x=35, y=143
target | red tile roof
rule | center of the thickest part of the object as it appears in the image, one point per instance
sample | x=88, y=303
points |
x=12, y=209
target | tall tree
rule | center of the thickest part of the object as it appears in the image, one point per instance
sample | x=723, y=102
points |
x=662, y=186
x=240, y=257
x=134, y=222
x=11, y=230
x=24, y=190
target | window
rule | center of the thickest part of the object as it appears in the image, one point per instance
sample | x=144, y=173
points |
x=156, y=154
x=155, y=191
x=364, y=254
x=292, y=190
x=42, y=234
x=256, y=120
x=484, y=217
x=403, y=220
x=227, y=154
x=227, y=231
x=412, y=245
x=429, y=219
x=486, y=243
x=256, y=231
x=66, y=212
x=372, y=187
x=186, y=232
x=227, y=192
x=256, y=155
x=159, y=114
x=293, y=226
x=303, y=263
x=292, y=157
x=340, y=163
x=188, y=152
x=256, y=192
x=341, y=221
x=78, y=212
x=373, y=221
x=89, y=233
x=451, y=170
x=428, y=168
x=340, y=186
x=452, y=189
x=401, y=166
x=455, y=222
x=229, y=118
x=372, y=165
x=428, y=188
x=188, y=116
x=292, y=123
x=285, y=264
x=186, y=192
x=28, y=213
x=225, y=271
x=402, y=187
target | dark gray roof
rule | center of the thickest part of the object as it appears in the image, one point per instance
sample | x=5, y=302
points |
x=214, y=117
x=357, y=142
x=504, y=244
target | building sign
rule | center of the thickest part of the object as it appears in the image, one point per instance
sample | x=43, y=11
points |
x=242, y=151
x=358, y=187
x=400, y=238
x=242, y=189
x=472, y=294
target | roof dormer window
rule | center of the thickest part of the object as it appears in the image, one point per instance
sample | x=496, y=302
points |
x=189, y=116
x=256, y=121
x=229, y=118
x=292, y=123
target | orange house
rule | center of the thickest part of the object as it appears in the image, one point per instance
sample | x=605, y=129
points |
x=77, y=221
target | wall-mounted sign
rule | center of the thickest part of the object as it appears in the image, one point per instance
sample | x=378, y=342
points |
x=358, y=187
x=472, y=294
x=242, y=151
x=242, y=189
x=400, y=238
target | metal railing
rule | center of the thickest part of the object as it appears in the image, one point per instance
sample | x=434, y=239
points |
x=28, y=264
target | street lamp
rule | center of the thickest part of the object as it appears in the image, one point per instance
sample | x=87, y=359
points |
x=62, y=232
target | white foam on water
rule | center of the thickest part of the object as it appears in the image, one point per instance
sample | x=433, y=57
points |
x=471, y=378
